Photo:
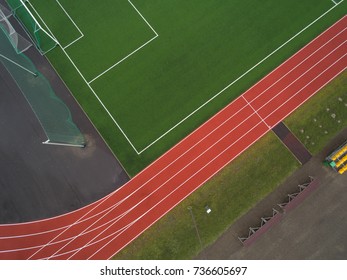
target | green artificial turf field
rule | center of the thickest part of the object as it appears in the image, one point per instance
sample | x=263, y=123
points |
x=148, y=72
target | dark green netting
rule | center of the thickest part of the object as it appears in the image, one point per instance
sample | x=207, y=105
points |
x=51, y=111
x=42, y=39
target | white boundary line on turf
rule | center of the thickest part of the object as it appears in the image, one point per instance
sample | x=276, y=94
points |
x=144, y=17
x=233, y=82
x=133, y=52
x=79, y=30
x=124, y=58
x=336, y=3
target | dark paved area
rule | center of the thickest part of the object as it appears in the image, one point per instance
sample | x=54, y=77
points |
x=39, y=181
x=292, y=143
x=316, y=229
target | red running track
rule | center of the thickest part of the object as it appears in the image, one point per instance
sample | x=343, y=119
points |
x=101, y=229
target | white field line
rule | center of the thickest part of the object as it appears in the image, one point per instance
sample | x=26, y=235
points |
x=67, y=14
x=279, y=66
x=236, y=80
x=334, y=2
x=169, y=194
x=124, y=58
x=133, y=52
x=305, y=86
x=20, y=66
x=74, y=23
x=296, y=66
x=74, y=41
x=162, y=185
x=143, y=18
x=298, y=78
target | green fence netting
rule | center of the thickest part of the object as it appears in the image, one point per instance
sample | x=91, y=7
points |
x=25, y=14
x=51, y=111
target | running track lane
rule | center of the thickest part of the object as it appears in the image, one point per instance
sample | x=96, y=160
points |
x=106, y=226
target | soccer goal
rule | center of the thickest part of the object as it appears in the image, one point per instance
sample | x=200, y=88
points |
x=19, y=43
x=22, y=10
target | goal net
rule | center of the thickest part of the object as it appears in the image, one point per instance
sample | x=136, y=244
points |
x=19, y=43
x=24, y=13
x=51, y=112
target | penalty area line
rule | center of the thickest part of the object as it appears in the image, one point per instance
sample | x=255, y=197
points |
x=124, y=58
